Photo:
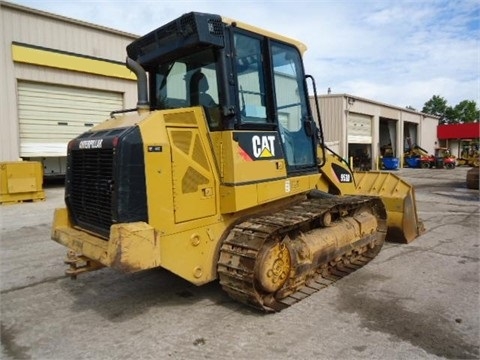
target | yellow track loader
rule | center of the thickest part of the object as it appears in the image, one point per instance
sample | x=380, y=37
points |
x=221, y=173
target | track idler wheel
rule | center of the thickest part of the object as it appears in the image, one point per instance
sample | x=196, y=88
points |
x=273, y=268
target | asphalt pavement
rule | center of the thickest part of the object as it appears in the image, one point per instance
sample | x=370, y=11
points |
x=415, y=301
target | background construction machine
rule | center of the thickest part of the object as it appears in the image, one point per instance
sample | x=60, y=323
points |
x=415, y=157
x=444, y=158
x=221, y=173
x=470, y=155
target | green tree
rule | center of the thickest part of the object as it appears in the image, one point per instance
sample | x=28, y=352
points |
x=437, y=106
x=451, y=116
x=466, y=111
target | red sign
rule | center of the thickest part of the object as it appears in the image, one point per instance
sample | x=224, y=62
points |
x=459, y=131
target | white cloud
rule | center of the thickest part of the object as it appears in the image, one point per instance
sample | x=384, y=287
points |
x=400, y=52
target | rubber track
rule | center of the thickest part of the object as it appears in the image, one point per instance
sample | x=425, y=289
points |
x=246, y=239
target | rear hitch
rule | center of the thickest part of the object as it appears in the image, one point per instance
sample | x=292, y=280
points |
x=80, y=264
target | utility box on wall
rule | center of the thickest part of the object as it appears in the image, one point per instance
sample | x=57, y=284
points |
x=21, y=181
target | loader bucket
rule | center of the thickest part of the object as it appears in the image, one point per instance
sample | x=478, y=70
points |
x=398, y=196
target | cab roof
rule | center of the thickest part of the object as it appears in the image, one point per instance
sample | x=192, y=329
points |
x=301, y=46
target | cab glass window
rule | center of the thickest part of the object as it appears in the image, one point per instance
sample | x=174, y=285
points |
x=289, y=92
x=250, y=79
x=189, y=81
x=291, y=106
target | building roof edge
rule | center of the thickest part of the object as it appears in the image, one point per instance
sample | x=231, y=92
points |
x=11, y=5
x=345, y=95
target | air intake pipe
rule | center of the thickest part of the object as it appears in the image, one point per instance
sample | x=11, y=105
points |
x=142, y=85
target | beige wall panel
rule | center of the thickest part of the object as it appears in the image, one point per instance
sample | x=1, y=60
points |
x=411, y=117
x=53, y=32
x=428, y=127
x=9, y=133
x=389, y=113
x=332, y=114
x=366, y=108
x=69, y=36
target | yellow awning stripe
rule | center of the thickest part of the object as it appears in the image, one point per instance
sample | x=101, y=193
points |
x=51, y=58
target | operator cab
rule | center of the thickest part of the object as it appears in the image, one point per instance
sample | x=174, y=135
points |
x=246, y=79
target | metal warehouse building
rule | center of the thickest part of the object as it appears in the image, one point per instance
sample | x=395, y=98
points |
x=61, y=76
x=361, y=127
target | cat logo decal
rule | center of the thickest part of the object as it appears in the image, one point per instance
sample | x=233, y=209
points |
x=263, y=145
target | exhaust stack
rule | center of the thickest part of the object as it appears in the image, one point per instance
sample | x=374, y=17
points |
x=142, y=86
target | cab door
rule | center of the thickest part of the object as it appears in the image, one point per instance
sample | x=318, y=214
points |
x=272, y=96
x=291, y=109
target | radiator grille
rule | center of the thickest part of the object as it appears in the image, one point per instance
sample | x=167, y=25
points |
x=91, y=186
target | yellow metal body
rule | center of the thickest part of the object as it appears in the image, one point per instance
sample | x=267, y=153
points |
x=398, y=196
x=300, y=46
x=21, y=181
x=219, y=203
x=472, y=159
x=198, y=187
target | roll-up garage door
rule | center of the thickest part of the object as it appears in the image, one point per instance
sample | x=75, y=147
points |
x=359, y=129
x=51, y=115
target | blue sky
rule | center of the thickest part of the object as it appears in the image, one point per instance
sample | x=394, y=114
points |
x=399, y=52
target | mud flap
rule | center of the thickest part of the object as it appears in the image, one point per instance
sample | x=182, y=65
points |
x=398, y=196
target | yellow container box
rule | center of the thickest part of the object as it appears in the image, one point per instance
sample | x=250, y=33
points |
x=21, y=181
